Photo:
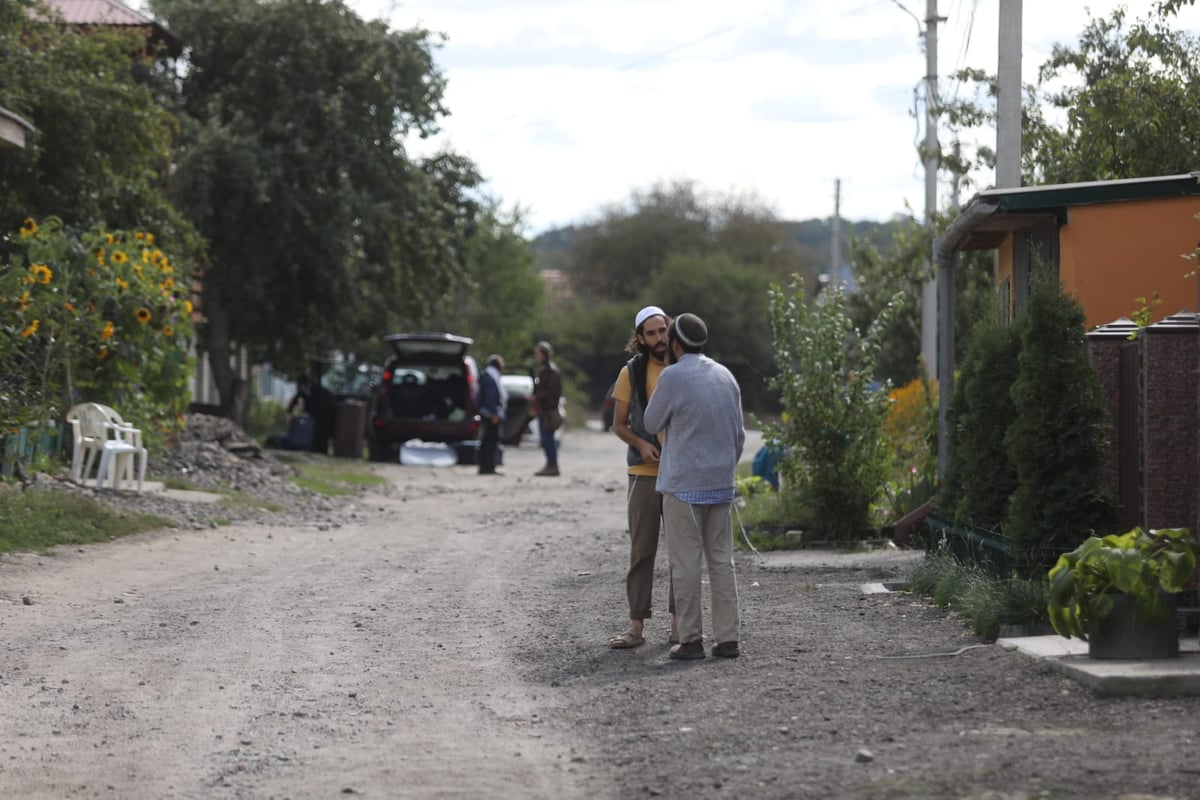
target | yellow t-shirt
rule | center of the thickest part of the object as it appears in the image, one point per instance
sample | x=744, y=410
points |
x=623, y=391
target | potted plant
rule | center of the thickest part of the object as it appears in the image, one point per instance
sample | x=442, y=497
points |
x=1117, y=592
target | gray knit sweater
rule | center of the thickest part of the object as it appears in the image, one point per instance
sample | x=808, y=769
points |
x=698, y=403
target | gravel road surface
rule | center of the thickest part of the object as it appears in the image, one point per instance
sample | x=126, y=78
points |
x=444, y=637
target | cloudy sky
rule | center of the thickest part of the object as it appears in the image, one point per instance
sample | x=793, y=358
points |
x=571, y=105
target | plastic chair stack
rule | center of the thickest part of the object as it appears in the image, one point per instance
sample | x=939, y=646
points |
x=102, y=439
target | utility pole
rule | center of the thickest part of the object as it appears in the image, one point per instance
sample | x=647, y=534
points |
x=835, y=246
x=1008, y=100
x=929, y=293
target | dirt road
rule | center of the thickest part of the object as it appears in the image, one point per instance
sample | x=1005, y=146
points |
x=448, y=642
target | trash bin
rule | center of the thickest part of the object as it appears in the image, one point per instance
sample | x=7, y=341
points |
x=348, y=429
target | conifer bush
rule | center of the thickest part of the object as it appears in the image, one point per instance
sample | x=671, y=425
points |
x=1058, y=440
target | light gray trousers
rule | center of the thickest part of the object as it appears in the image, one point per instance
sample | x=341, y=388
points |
x=696, y=535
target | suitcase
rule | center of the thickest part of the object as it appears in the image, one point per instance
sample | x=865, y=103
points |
x=300, y=433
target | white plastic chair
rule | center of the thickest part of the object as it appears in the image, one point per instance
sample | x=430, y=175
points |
x=102, y=438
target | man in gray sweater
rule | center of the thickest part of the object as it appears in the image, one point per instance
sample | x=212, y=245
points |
x=699, y=405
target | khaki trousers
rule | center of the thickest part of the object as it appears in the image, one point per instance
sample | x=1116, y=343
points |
x=695, y=535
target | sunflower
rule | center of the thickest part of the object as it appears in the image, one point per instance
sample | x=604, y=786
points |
x=119, y=257
x=41, y=273
x=29, y=227
x=109, y=238
x=168, y=331
x=167, y=284
x=69, y=307
x=107, y=333
x=139, y=236
x=149, y=238
x=187, y=306
x=29, y=330
x=142, y=315
x=103, y=354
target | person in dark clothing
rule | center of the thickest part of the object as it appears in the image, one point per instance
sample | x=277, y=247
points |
x=316, y=401
x=492, y=400
x=547, y=391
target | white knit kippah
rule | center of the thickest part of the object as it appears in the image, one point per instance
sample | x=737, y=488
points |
x=646, y=313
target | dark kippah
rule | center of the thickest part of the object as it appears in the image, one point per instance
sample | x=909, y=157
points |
x=691, y=330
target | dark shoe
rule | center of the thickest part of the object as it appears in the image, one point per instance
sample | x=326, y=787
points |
x=726, y=650
x=687, y=651
x=548, y=470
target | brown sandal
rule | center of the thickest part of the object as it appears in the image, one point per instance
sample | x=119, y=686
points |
x=626, y=641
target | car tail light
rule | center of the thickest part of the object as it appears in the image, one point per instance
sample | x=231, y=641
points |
x=387, y=376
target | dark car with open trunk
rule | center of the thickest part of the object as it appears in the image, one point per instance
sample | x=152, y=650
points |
x=427, y=391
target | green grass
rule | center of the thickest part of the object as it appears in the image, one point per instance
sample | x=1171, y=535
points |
x=984, y=600
x=35, y=520
x=333, y=478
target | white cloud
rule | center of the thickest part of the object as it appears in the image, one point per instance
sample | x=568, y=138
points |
x=570, y=105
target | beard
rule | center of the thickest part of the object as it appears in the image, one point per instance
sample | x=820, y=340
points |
x=660, y=353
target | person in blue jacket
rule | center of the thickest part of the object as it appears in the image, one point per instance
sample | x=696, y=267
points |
x=492, y=400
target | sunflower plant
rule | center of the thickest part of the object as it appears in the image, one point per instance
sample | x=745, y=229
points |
x=99, y=316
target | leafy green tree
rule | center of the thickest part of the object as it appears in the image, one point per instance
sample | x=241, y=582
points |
x=732, y=298
x=836, y=453
x=1119, y=103
x=501, y=303
x=903, y=264
x=676, y=247
x=1129, y=102
x=321, y=230
x=101, y=142
x=1058, y=440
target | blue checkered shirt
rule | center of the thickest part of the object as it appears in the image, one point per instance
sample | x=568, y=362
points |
x=707, y=497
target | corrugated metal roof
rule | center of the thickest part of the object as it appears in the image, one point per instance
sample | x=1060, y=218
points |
x=115, y=14
x=98, y=12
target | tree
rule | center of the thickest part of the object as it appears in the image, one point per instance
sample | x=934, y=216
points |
x=1057, y=441
x=903, y=265
x=101, y=142
x=980, y=477
x=732, y=299
x=675, y=247
x=501, y=304
x=1126, y=97
x=836, y=453
x=321, y=230
x=1131, y=110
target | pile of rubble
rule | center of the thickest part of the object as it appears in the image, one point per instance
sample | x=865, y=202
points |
x=214, y=454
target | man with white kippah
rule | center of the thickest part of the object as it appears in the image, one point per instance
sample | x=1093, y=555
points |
x=699, y=406
x=643, y=503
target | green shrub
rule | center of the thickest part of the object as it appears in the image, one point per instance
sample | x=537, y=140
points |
x=837, y=455
x=984, y=601
x=980, y=477
x=1058, y=440
x=265, y=417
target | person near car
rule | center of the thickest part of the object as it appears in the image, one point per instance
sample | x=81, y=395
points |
x=492, y=400
x=698, y=406
x=313, y=399
x=634, y=387
x=547, y=392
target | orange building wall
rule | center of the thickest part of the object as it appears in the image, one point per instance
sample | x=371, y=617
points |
x=1004, y=272
x=1110, y=254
